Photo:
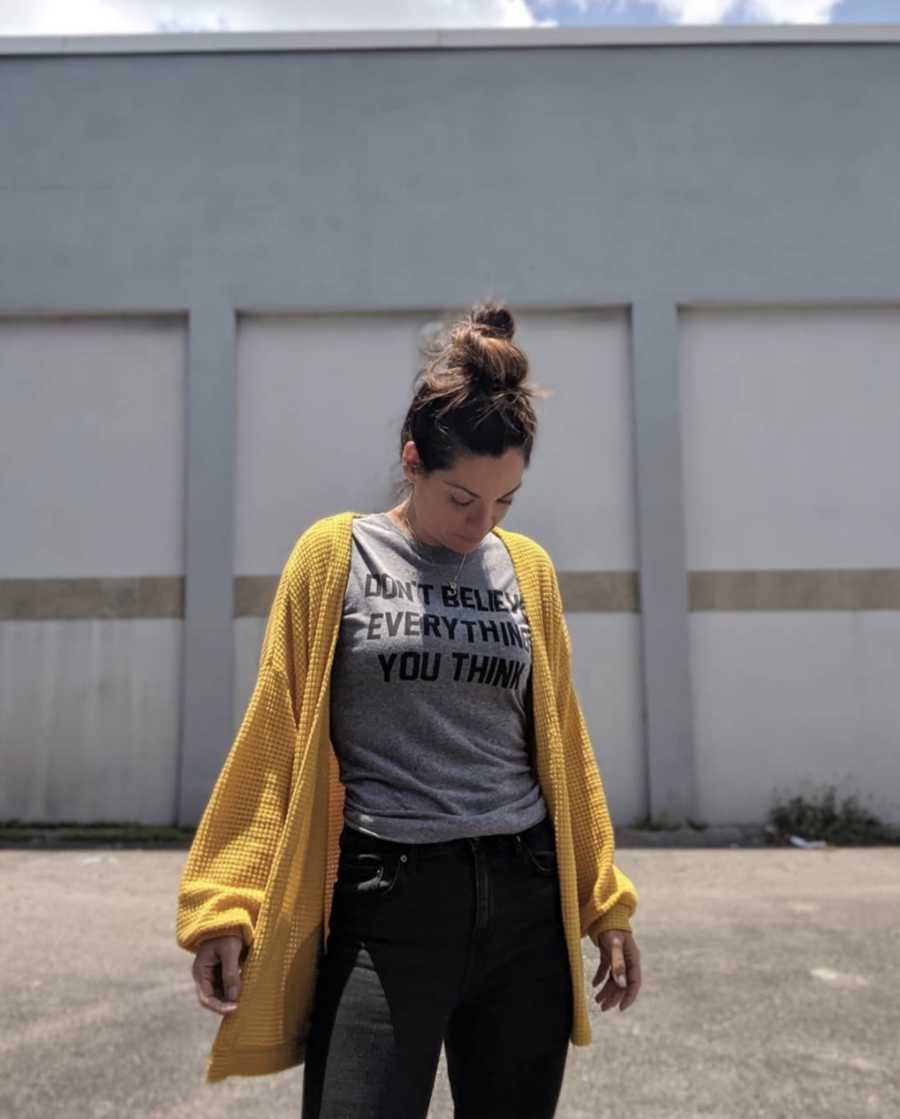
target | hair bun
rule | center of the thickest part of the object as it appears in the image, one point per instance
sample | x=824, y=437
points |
x=492, y=319
x=481, y=347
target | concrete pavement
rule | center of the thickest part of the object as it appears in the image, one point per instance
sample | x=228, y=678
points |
x=771, y=987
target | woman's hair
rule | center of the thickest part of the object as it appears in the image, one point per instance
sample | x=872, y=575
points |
x=470, y=396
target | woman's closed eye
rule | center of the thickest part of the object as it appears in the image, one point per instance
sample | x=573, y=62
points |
x=465, y=504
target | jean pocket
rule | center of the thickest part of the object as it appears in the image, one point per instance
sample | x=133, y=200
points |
x=539, y=855
x=368, y=872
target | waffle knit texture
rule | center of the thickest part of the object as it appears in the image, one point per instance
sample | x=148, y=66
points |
x=264, y=857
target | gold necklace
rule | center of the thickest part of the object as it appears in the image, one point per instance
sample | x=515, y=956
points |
x=454, y=582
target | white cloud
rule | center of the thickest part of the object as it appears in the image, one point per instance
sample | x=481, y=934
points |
x=706, y=11
x=99, y=17
x=791, y=11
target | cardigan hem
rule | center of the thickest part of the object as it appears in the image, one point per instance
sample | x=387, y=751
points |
x=254, y=1060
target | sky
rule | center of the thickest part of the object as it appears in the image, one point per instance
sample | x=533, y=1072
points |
x=112, y=17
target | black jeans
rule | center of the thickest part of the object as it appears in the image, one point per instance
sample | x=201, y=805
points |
x=460, y=943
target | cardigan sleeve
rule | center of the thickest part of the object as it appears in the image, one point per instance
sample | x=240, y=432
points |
x=607, y=897
x=224, y=876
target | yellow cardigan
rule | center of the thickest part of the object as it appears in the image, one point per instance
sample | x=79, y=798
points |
x=263, y=860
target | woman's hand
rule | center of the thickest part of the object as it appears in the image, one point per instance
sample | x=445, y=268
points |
x=620, y=956
x=217, y=973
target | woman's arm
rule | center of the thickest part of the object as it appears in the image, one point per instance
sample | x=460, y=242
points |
x=224, y=877
x=607, y=897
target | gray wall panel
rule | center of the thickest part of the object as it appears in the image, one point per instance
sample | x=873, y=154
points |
x=628, y=177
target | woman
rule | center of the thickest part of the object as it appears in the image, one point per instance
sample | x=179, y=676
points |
x=414, y=775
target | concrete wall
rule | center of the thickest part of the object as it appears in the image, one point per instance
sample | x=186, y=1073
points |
x=220, y=254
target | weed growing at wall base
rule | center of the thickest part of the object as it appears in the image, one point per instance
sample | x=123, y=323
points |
x=846, y=825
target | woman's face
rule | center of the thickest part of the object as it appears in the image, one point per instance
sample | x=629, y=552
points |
x=459, y=507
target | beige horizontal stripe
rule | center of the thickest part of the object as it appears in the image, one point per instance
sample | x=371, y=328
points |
x=583, y=592
x=253, y=595
x=858, y=588
x=138, y=596
x=600, y=592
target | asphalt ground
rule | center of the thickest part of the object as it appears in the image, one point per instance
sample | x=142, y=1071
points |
x=771, y=987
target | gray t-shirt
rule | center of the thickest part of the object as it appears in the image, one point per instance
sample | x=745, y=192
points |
x=430, y=690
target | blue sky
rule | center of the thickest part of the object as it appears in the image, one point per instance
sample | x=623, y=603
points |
x=92, y=17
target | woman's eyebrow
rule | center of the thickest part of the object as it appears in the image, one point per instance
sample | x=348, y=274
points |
x=460, y=486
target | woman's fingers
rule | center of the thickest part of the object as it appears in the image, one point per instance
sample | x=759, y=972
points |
x=634, y=979
x=209, y=991
x=609, y=996
x=612, y=957
x=620, y=956
x=617, y=961
x=231, y=972
x=216, y=972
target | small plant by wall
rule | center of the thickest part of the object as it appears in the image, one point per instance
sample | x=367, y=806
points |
x=822, y=819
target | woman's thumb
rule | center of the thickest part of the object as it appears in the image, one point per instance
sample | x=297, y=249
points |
x=231, y=973
x=232, y=983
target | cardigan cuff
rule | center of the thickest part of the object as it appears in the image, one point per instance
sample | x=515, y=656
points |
x=615, y=918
